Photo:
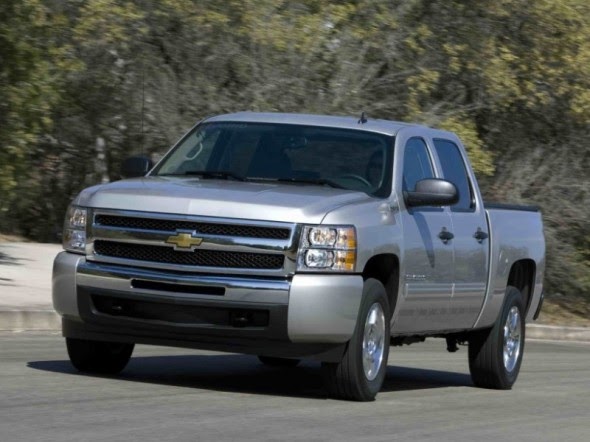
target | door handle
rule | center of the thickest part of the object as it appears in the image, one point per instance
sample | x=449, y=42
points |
x=480, y=235
x=445, y=235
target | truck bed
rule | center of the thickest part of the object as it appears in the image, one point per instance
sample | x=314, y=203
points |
x=504, y=206
x=516, y=233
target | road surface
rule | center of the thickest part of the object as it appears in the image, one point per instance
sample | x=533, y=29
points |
x=177, y=394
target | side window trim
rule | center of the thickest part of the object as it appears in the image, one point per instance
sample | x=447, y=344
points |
x=474, y=202
x=430, y=152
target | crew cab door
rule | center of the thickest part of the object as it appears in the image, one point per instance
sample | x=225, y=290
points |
x=471, y=235
x=427, y=261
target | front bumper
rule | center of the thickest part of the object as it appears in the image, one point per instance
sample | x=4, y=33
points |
x=204, y=311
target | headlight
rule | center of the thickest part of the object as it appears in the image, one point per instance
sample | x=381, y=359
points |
x=74, y=237
x=322, y=236
x=327, y=248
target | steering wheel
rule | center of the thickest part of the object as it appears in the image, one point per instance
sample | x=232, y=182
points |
x=356, y=177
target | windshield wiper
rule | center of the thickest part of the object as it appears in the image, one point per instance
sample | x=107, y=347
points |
x=215, y=174
x=318, y=181
x=225, y=174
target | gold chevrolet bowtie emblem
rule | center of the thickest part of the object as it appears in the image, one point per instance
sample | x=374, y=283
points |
x=184, y=241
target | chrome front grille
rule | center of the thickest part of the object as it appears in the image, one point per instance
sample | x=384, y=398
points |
x=144, y=239
x=169, y=225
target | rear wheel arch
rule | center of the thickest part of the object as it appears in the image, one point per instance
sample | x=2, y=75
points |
x=522, y=276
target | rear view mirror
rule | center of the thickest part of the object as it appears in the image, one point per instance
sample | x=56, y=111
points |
x=432, y=192
x=294, y=142
x=134, y=167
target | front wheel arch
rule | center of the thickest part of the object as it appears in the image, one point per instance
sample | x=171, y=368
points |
x=349, y=378
x=385, y=269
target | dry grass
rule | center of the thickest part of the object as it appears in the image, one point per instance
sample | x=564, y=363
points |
x=574, y=312
x=12, y=238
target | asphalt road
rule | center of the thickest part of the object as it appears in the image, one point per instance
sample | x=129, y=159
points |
x=177, y=394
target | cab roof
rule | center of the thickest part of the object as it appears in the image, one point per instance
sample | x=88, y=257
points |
x=370, y=125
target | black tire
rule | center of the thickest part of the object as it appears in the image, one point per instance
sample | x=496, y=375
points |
x=347, y=379
x=278, y=362
x=486, y=348
x=97, y=356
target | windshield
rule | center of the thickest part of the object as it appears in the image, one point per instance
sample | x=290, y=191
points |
x=343, y=158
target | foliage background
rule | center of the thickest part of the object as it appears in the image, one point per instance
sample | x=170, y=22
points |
x=512, y=77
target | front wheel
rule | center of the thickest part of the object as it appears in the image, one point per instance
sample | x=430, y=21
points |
x=495, y=355
x=98, y=356
x=361, y=372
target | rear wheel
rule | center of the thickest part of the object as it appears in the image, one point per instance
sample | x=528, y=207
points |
x=98, y=356
x=495, y=355
x=278, y=362
x=361, y=372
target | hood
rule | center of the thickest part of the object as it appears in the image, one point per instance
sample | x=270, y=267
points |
x=300, y=203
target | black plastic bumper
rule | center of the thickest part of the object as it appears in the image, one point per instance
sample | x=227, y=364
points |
x=260, y=329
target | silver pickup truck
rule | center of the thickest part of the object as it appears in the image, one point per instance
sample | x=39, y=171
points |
x=293, y=236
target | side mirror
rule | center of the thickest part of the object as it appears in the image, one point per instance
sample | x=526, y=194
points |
x=432, y=192
x=134, y=167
